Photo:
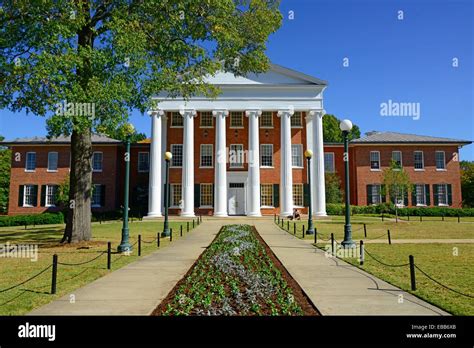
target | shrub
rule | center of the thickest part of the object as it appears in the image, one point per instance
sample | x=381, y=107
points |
x=33, y=219
x=389, y=208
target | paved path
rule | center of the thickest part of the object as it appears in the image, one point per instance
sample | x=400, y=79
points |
x=336, y=287
x=138, y=288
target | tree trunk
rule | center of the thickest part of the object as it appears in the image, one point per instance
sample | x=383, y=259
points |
x=78, y=224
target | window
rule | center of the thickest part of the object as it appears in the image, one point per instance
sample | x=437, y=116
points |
x=420, y=194
x=375, y=160
x=329, y=162
x=236, y=119
x=295, y=120
x=397, y=158
x=206, y=119
x=206, y=195
x=30, y=195
x=376, y=194
x=175, y=195
x=440, y=160
x=30, y=161
x=266, y=195
x=177, y=159
x=442, y=194
x=143, y=161
x=236, y=156
x=50, y=196
x=418, y=159
x=266, y=155
x=266, y=119
x=398, y=195
x=298, y=195
x=97, y=161
x=96, y=200
x=206, y=155
x=297, y=155
x=52, y=161
x=176, y=120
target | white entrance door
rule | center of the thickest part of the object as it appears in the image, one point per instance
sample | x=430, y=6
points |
x=236, y=194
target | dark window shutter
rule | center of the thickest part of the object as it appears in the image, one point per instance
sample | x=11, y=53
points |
x=306, y=197
x=276, y=195
x=435, y=194
x=413, y=195
x=20, y=195
x=43, y=195
x=405, y=198
x=197, y=195
x=450, y=194
x=35, y=195
x=369, y=194
x=383, y=193
x=427, y=195
x=102, y=195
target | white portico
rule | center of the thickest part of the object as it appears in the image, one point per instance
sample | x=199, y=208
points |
x=279, y=90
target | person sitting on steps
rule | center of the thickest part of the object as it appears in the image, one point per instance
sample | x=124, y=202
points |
x=296, y=215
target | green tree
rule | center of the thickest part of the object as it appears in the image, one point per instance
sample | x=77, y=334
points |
x=332, y=133
x=5, y=165
x=467, y=183
x=397, y=184
x=86, y=63
x=121, y=134
x=333, y=188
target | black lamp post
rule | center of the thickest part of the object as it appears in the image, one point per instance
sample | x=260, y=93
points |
x=166, y=228
x=346, y=127
x=308, y=154
x=125, y=245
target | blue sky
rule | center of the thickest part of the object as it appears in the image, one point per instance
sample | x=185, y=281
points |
x=409, y=60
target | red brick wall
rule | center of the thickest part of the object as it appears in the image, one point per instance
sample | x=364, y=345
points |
x=430, y=175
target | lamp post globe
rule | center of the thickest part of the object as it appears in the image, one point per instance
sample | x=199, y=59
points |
x=166, y=229
x=308, y=154
x=346, y=126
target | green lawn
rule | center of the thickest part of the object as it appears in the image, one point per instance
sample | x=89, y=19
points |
x=37, y=292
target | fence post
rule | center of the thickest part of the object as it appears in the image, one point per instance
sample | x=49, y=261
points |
x=362, y=255
x=389, y=239
x=294, y=228
x=171, y=234
x=193, y=223
x=281, y=222
x=55, y=274
x=139, y=245
x=278, y=219
x=187, y=226
x=158, y=239
x=459, y=218
x=421, y=218
x=408, y=215
x=332, y=243
x=109, y=254
x=180, y=230
x=382, y=216
x=303, y=230
x=442, y=217
x=274, y=217
x=365, y=230
x=288, y=225
x=412, y=272
x=315, y=235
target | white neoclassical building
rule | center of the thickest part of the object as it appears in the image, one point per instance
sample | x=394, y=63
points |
x=241, y=153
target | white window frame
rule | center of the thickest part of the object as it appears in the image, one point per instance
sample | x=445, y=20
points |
x=401, y=159
x=172, y=189
x=445, y=195
x=140, y=153
x=101, y=162
x=25, y=189
x=300, y=155
x=207, y=194
x=266, y=113
x=233, y=114
x=333, y=167
x=294, y=195
x=370, y=161
x=262, y=194
x=206, y=113
x=262, y=154
x=201, y=165
x=423, y=195
x=172, y=117
x=239, y=156
x=379, y=194
x=49, y=162
x=94, y=193
x=293, y=117
x=174, y=152
x=26, y=162
x=444, y=161
x=422, y=161
x=47, y=202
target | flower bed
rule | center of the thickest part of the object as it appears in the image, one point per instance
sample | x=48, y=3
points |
x=237, y=275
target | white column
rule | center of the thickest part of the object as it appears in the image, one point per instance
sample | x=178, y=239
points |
x=309, y=145
x=286, y=171
x=253, y=206
x=164, y=133
x=220, y=179
x=155, y=184
x=188, y=162
x=318, y=163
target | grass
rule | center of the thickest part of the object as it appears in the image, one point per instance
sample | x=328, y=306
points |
x=35, y=293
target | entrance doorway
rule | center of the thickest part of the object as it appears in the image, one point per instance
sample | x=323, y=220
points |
x=236, y=198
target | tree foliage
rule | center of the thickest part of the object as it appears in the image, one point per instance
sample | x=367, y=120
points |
x=467, y=183
x=332, y=133
x=333, y=188
x=396, y=181
x=5, y=164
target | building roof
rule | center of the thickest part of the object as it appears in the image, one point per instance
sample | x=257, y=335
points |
x=96, y=139
x=376, y=137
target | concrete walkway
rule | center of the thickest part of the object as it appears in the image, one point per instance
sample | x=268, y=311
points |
x=336, y=287
x=138, y=288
